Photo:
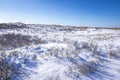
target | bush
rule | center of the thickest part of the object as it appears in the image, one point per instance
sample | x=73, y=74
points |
x=12, y=26
x=53, y=78
x=113, y=54
x=87, y=68
x=11, y=41
x=9, y=69
x=14, y=40
x=91, y=47
x=83, y=27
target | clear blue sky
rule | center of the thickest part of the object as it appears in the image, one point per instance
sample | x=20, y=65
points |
x=64, y=12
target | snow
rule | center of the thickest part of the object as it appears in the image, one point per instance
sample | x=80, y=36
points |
x=58, y=59
x=49, y=45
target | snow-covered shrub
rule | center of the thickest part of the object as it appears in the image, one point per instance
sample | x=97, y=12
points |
x=88, y=46
x=72, y=60
x=89, y=64
x=10, y=70
x=61, y=52
x=11, y=41
x=87, y=68
x=52, y=78
x=74, y=50
x=54, y=51
x=16, y=65
x=13, y=26
x=14, y=40
x=113, y=54
x=83, y=27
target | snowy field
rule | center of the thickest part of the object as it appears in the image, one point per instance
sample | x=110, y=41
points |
x=54, y=52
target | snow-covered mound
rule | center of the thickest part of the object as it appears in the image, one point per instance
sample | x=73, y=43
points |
x=59, y=53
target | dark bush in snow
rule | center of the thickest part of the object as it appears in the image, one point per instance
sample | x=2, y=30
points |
x=87, y=68
x=11, y=41
x=88, y=46
x=12, y=26
x=113, y=54
x=9, y=69
x=14, y=41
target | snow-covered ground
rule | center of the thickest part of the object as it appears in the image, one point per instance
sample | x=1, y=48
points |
x=66, y=53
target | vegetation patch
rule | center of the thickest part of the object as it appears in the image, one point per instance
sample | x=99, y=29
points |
x=12, y=26
x=11, y=41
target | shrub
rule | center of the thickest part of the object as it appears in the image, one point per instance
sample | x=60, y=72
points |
x=113, y=54
x=83, y=27
x=9, y=69
x=12, y=26
x=14, y=40
x=52, y=78
x=11, y=41
x=93, y=47
x=87, y=68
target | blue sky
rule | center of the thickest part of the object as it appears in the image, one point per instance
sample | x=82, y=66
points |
x=65, y=12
